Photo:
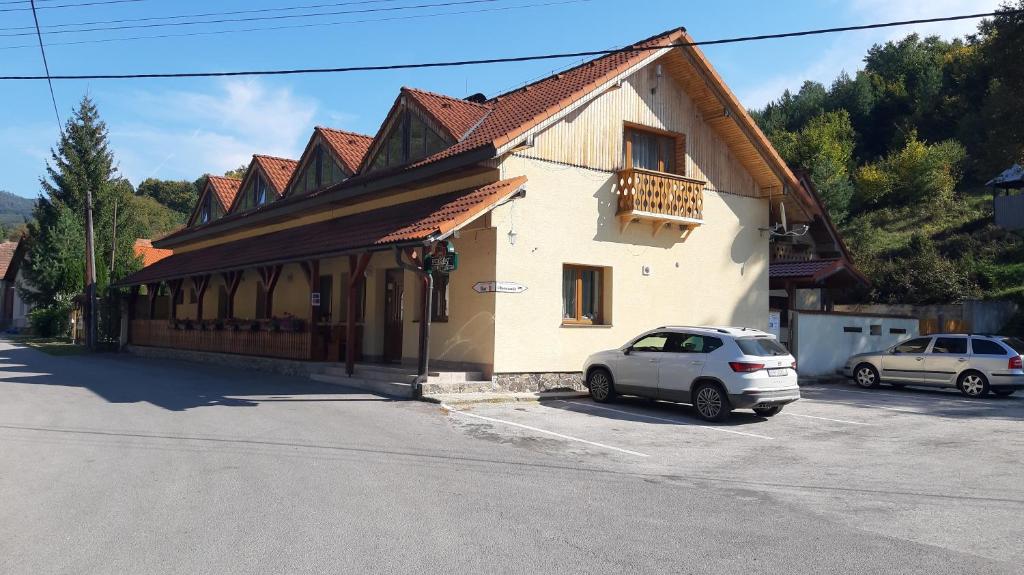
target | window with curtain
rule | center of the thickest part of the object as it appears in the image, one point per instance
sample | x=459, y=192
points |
x=439, y=301
x=651, y=150
x=582, y=297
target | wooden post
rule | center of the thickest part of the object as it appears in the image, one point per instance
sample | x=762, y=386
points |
x=356, y=268
x=151, y=292
x=269, y=275
x=232, y=280
x=175, y=290
x=133, y=297
x=201, y=283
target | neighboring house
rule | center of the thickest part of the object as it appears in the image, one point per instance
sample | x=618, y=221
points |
x=13, y=310
x=622, y=194
x=144, y=249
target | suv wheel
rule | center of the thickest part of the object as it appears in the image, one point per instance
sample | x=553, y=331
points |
x=600, y=384
x=866, y=375
x=972, y=384
x=768, y=411
x=711, y=402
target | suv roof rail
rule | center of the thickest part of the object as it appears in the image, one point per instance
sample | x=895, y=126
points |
x=718, y=329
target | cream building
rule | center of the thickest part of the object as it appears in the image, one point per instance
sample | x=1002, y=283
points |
x=626, y=193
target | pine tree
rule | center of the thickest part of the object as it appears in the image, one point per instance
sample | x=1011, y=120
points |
x=55, y=264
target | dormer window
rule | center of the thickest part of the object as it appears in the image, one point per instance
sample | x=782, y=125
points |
x=410, y=139
x=204, y=212
x=320, y=172
x=256, y=193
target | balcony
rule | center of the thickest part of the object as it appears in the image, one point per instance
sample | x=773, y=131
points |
x=660, y=199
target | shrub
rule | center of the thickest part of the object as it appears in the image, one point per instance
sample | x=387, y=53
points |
x=51, y=321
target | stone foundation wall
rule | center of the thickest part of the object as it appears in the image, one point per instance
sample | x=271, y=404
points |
x=541, y=381
x=268, y=364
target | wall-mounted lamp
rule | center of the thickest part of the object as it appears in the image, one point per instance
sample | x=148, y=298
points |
x=512, y=235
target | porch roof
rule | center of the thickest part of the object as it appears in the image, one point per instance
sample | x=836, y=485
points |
x=407, y=223
x=831, y=272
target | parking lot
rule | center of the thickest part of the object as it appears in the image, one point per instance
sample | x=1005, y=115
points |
x=928, y=466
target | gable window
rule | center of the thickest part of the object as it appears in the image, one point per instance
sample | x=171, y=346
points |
x=652, y=150
x=410, y=139
x=582, y=294
x=204, y=211
x=321, y=171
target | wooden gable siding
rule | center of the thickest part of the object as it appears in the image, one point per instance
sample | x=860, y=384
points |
x=592, y=136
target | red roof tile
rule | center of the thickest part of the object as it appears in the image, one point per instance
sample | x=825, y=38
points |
x=799, y=268
x=409, y=222
x=7, y=250
x=225, y=190
x=278, y=170
x=150, y=255
x=456, y=116
x=348, y=146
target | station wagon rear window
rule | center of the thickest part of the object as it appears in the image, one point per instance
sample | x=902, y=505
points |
x=761, y=346
x=986, y=347
x=1016, y=344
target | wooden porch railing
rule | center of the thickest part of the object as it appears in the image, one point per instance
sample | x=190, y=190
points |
x=284, y=345
x=659, y=198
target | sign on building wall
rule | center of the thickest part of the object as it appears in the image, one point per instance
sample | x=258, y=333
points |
x=314, y=299
x=498, y=287
x=775, y=323
x=443, y=259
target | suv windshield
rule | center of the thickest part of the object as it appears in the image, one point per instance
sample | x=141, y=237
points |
x=1016, y=344
x=761, y=346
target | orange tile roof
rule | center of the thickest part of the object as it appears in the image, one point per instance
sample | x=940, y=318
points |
x=456, y=116
x=7, y=250
x=348, y=146
x=410, y=222
x=150, y=255
x=225, y=190
x=278, y=170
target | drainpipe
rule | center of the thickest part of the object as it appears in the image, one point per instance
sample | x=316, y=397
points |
x=424, y=350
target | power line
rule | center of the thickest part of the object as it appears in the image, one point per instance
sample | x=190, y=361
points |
x=204, y=14
x=259, y=18
x=306, y=25
x=97, y=3
x=455, y=63
x=46, y=66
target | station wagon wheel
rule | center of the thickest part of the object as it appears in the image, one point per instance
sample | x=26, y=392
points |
x=711, y=403
x=973, y=384
x=600, y=384
x=866, y=375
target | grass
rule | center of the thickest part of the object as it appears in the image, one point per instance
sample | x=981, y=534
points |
x=50, y=345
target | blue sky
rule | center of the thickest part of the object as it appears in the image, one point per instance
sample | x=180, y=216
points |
x=180, y=129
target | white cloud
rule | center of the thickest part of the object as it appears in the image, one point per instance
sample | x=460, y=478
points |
x=183, y=134
x=845, y=51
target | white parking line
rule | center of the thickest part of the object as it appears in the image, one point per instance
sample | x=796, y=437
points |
x=539, y=430
x=723, y=430
x=949, y=397
x=858, y=404
x=824, y=418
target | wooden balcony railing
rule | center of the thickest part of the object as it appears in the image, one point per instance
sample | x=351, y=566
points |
x=280, y=344
x=661, y=199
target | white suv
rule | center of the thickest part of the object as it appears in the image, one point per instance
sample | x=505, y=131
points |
x=716, y=369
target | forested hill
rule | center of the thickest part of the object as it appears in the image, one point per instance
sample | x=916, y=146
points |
x=14, y=209
x=900, y=151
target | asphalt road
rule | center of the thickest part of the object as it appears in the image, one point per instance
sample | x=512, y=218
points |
x=113, y=464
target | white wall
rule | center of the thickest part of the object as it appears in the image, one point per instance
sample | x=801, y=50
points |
x=823, y=346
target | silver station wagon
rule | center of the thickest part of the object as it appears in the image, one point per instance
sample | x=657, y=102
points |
x=974, y=364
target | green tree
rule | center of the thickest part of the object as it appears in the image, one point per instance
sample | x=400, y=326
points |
x=919, y=173
x=237, y=173
x=54, y=268
x=178, y=195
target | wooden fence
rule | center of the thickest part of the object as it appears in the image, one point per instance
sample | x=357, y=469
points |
x=281, y=344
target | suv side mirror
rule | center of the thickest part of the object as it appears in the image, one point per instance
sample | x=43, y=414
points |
x=627, y=350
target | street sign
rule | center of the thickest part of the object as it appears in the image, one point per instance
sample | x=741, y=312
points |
x=498, y=287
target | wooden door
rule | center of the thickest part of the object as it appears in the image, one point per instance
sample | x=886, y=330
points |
x=394, y=291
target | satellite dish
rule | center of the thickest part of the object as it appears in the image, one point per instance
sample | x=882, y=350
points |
x=782, y=214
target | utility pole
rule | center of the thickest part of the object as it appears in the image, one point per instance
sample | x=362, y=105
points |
x=90, y=275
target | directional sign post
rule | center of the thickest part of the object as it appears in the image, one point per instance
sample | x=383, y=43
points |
x=498, y=287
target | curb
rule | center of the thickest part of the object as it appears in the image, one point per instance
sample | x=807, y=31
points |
x=493, y=398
